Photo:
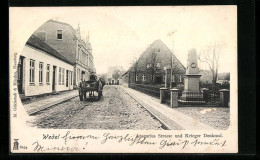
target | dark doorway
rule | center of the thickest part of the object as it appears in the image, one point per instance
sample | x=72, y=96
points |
x=20, y=75
x=159, y=80
x=53, y=78
x=83, y=75
x=67, y=78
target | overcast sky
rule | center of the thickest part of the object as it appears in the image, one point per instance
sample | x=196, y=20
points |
x=118, y=34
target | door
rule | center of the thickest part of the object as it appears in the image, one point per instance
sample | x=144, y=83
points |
x=53, y=78
x=20, y=76
x=67, y=78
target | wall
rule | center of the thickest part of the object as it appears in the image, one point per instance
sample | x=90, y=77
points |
x=40, y=56
x=78, y=74
x=67, y=46
x=74, y=49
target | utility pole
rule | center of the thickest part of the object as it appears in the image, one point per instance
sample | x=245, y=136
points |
x=172, y=34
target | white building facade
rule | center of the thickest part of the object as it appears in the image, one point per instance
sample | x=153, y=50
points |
x=42, y=70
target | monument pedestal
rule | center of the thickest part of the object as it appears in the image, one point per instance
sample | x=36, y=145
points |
x=191, y=88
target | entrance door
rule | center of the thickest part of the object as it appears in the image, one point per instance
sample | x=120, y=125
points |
x=20, y=75
x=53, y=78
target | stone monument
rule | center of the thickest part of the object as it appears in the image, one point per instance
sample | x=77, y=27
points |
x=191, y=78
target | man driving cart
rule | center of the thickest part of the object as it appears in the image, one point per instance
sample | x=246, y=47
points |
x=91, y=86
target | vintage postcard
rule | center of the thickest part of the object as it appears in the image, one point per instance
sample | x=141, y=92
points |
x=158, y=79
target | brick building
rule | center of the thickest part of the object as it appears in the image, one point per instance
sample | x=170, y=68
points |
x=67, y=41
x=150, y=67
x=41, y=69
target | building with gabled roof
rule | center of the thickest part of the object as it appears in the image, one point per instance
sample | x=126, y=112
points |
x=151, y=66
x=42, y=69
x=68, y=41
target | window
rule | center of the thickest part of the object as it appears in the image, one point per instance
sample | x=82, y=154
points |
x=148, y=65
x=59, y=75
x=48, y=74
x=67, y=78
x=59, y=34
x=78, y=75
x=158, y=65
x=71, y=73
x=180, y=79
x=32, y=71
x=136, y=78
x=40, y=72
x=173, y=78
x=62, y=76
x=144, y=78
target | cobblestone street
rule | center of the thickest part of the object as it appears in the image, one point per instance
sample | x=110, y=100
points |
x=116, y=110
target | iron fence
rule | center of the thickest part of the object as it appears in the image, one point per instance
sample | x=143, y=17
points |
x=210, y=98
x=206, y=98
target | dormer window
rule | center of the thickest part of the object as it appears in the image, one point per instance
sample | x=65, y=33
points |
x=59, y=34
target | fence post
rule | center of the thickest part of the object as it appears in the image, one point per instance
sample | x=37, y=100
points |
x=205, y=94
x=162, y=94
x=224, y=97
x=174, y=98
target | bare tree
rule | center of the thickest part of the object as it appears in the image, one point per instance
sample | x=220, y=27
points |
x=210, y=55
x=135, y=67
x=116, y=74
x=153, y=62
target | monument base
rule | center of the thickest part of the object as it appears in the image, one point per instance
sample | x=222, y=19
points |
x=191, y=102
x=191, y=98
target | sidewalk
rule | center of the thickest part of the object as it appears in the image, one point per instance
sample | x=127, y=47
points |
x=171, y=118
x=37, y=106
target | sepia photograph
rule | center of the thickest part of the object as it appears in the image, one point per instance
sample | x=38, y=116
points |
x=145, y=71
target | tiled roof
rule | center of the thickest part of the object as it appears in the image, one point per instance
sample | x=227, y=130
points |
x=39, y=44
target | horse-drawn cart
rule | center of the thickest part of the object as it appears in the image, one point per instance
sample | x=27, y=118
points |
x=90, y=86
